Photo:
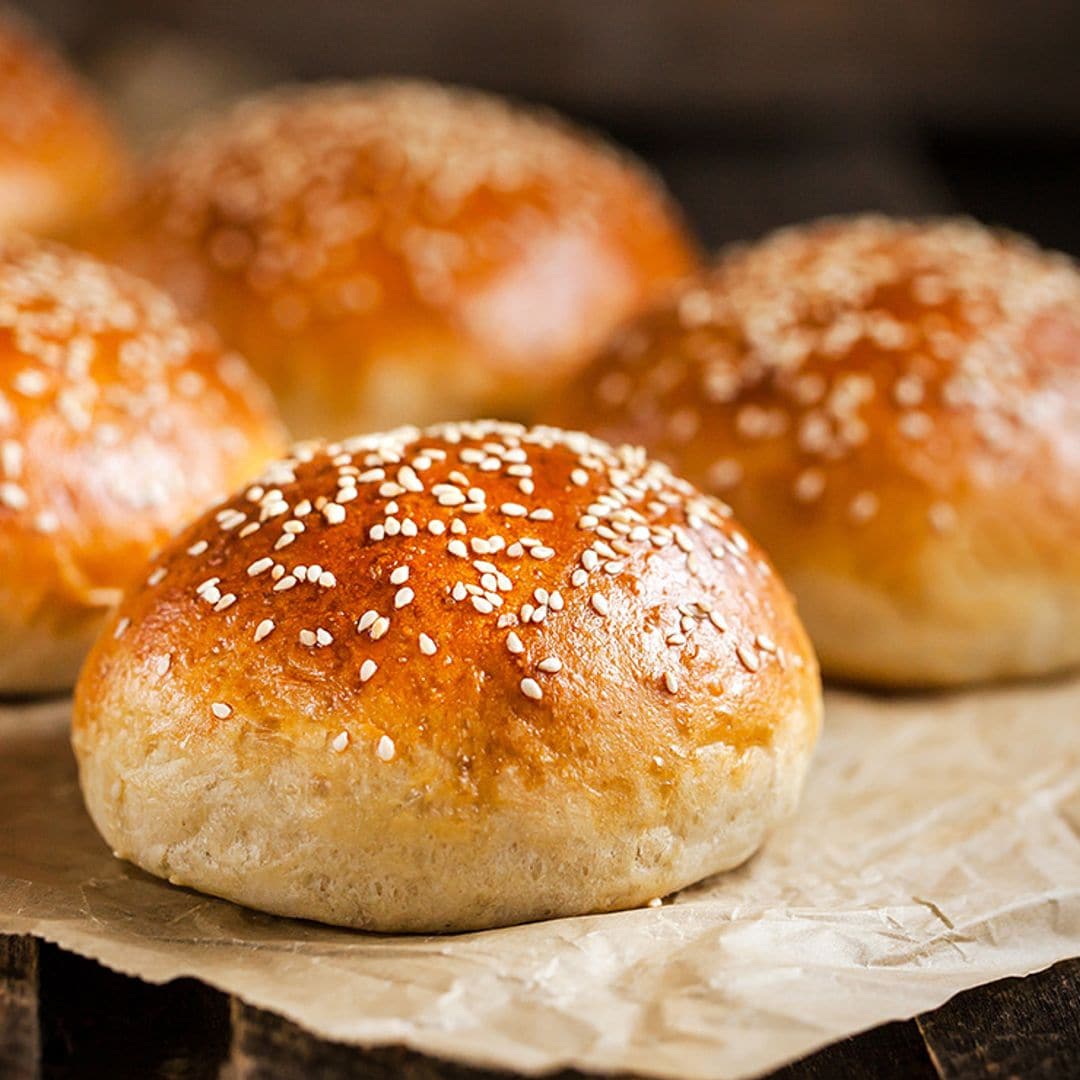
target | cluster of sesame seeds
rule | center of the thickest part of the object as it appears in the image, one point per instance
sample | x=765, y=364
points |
x=278, y=189
x=467, y=558
x=92, y=353
x=820, y=335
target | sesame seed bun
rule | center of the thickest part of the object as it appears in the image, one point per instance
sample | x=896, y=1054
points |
x=893, y=408
x=118, y=422
x=447, y=680
x=399, y=252
x=60, y=160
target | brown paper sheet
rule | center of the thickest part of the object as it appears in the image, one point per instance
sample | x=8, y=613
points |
x=938, y=847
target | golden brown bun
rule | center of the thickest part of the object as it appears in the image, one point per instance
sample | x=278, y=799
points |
x=391, y=253
x=500, y=675
x=893, y=409
x=118, y=422
x=60, y=161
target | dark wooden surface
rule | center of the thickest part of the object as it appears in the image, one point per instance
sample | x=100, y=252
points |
x=64, y=1017
x=758, y=114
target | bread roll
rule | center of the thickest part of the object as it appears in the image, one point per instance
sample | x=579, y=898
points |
x=447, y=680
x=398, y=252
x=60, y=160
x=118, y=422
x=893, y=408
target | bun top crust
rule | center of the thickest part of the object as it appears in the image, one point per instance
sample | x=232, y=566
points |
x=471, y=599
x=389, y=215
x=868, y=374
x=118, y=420
x=59, y=157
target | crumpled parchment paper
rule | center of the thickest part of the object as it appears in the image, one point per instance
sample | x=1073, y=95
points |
x=938, y=847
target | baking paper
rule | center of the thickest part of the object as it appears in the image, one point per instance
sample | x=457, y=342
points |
x=938, y=847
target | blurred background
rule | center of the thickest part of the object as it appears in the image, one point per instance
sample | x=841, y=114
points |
x=757, y=113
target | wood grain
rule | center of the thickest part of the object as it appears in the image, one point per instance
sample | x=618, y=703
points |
x=19, y=1036
x=1027, y=1028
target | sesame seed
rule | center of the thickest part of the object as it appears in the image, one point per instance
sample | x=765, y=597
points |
x=121, y=627
x=531, y=689
x=45, y=521
x=427, y=646
x=157, y=576
x=942, y=517
x=323, y=637
x=260, y=566
x=403, y=597
x=863, y=507
x=226, y=601
x=13, y=496
x=599, y=604
x=162, y=664
x=513, y=509
x=809, y=485
x=513, y=643
x=749, y=658
x=367, y=669
x=264, y=629
x=379, y=628
x=333, y=513
x=340, y=742
x=549, y=665
x=399, y=575
x=11, y=459
x=307, y=637
x=385, y=749
x=671, y=682
x=198, y=548
x=221, y=710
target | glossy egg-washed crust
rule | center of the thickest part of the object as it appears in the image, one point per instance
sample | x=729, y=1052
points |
x=893, y=409
x=399, y=252
x=60, y=160
x=118, y=422
x=495, y=611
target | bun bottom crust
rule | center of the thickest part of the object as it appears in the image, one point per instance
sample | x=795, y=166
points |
x=278, y=827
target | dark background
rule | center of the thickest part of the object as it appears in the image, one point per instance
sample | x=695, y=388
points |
x=757, y=112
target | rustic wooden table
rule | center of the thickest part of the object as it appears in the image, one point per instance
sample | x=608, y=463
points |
x=62, y=1016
